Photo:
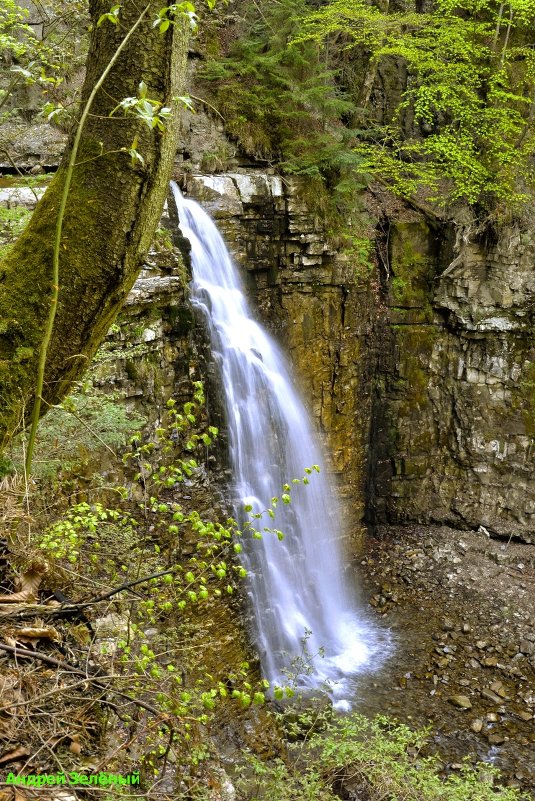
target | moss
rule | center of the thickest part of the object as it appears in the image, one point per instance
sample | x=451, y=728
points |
x=413, y=266
x=89, y=296
x=180, y=318
x=131, y=370
x=23, y=354
x=7, y=468
x=527, y=397
x=415, y=345
x=12, y=223
x=112, y=211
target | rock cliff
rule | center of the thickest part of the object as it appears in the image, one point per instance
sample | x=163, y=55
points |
x=456, y=415
x=419, y=371
x=420, y=374
x=313, y=300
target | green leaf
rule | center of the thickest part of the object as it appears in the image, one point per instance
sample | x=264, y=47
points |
x=111, y=16
x=186, y=101
x=136, y=157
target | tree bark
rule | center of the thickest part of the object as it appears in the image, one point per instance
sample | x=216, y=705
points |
x=112, y=211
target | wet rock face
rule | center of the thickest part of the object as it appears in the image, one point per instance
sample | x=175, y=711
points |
x=431, y=394
x=456, y=434
x=31, y=145
x=312, y=300
x=155, y=349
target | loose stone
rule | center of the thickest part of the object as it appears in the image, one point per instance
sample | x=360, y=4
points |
x=460, y=701
x=490, y=696
x=498, y=688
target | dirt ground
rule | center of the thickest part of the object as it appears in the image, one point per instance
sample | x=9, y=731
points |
x=461, y=610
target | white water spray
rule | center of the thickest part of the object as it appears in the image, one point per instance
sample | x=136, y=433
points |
x=304, y=610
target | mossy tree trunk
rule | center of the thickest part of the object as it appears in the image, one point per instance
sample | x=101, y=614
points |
x=112, y=211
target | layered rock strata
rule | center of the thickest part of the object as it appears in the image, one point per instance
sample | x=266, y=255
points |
x=456, y=419
x=313, y=301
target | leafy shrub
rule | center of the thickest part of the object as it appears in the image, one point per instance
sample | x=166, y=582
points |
x=183, y=566
x=463, y=129
x=380, y=759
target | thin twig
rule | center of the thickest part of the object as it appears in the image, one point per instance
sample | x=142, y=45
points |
x=124, y=586
x=57, y=690
x=77, y=416
x=206, y=103
x=50, y=660
x=68, y=608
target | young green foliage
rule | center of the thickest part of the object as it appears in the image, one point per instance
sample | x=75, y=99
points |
x=302, y=86
x=45, y=60
x=380, y=759
x=464, y=127
x=191, y=566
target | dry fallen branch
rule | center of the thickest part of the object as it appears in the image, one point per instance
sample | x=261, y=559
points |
x=65, y=610
x=22, y=611
x=24, y=653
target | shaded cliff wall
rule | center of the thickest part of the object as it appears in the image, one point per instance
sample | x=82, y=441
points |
x=455, y=401
x=420, y=375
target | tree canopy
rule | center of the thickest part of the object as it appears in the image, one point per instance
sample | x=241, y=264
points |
x=469, y=95
x=458, y=119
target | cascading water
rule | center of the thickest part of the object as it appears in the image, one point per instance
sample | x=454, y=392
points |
x=304, y=611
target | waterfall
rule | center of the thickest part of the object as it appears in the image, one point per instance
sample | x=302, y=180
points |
x=304, y=610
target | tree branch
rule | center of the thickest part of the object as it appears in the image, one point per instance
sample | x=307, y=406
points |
x=125, y=586
x=50, y=660
x=70, y=608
